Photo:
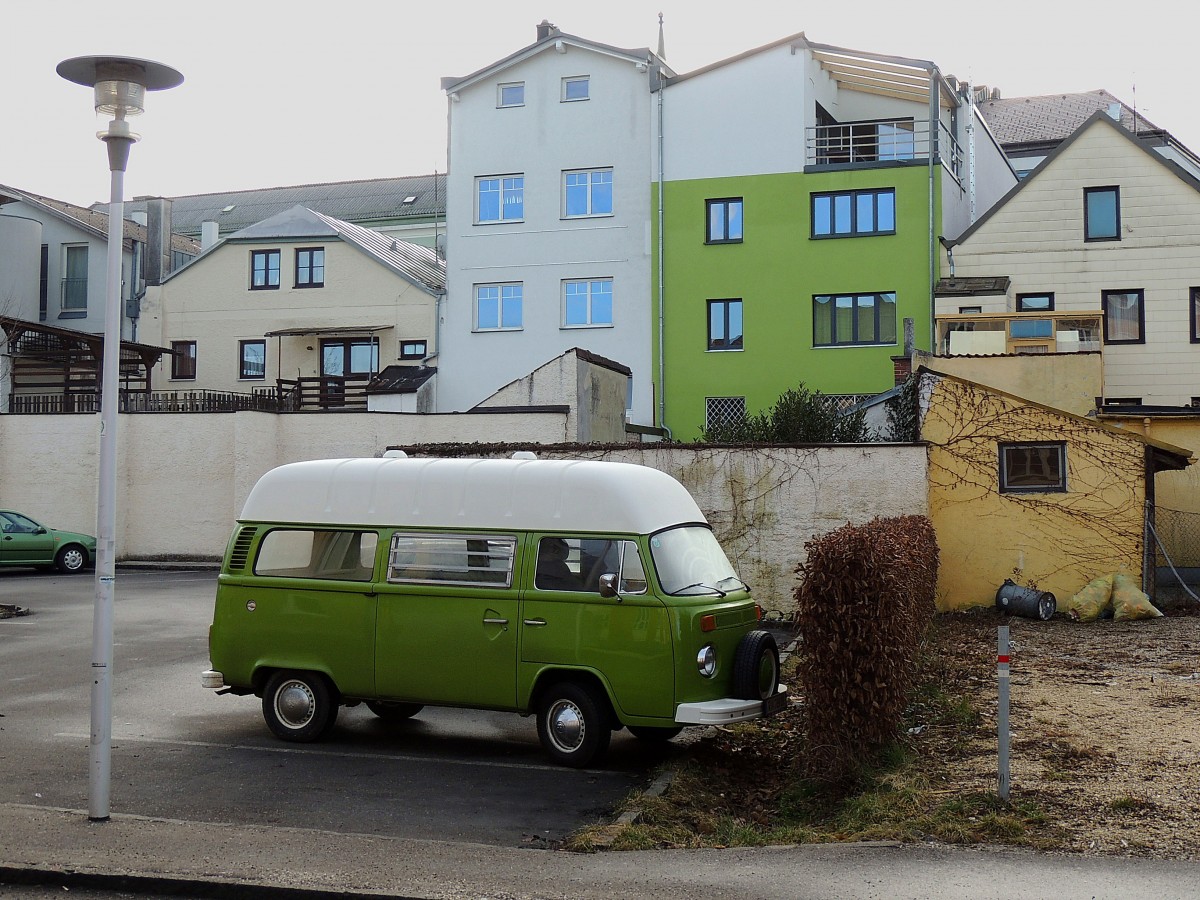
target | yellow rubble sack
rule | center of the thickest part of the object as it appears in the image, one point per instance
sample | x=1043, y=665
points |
x=1091, y=602
x=1130, y=602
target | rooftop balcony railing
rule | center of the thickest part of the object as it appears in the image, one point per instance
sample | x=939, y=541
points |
x=881, y=142
x=985, y=334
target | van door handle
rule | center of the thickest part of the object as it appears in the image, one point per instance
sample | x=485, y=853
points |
x=495, y=621
x=535, y=623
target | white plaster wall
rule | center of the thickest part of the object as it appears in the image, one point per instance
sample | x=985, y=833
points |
x=182, y=480
x=1036, y=238
x=540, y=140
x=744, y=118
x=57, y=233
x=20, y=269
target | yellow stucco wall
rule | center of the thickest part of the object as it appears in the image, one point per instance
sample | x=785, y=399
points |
x=1066, y=381
x=1056, y=541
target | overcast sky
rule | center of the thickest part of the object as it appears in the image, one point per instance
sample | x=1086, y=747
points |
x=282, y=92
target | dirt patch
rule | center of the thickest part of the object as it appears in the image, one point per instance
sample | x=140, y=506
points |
x=1106, y=726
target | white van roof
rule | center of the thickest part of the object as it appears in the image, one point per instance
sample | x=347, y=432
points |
x=525, y=494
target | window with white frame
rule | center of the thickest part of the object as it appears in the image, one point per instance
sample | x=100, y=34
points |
x=575, y=88
x=511, y=93
x=499, y=198
x=587, y=192
x=1033, y=467
x=587, y=302
x=498, y=306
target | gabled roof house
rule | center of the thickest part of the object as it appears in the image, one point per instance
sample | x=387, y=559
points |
x=301, y=309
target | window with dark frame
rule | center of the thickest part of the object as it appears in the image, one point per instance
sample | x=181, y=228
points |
x=1102, y=213
x=725, y=325
x=1124, y=316
x=183, y=360
x=310, y=267
x=252, y=359
x=264, y=270
x=723, y=221
x=1033, y=467
x=412, y=349
x=1035, y=302
x=849, y=319
x=1194, y=314
x=854, y=213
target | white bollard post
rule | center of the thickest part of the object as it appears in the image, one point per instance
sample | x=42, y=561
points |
x=1003, y=647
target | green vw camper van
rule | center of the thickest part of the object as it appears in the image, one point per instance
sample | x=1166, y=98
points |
x=592, y=595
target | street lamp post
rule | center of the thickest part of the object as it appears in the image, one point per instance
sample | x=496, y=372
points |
x=120, y=84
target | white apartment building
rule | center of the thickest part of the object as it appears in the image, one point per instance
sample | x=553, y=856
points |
x=548, y=243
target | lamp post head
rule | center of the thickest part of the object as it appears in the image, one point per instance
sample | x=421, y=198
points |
x=120, y=84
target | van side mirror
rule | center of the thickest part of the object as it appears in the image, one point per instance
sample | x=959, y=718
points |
x=608, y=585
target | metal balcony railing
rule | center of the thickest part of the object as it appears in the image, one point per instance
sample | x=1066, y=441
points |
x=881, y=141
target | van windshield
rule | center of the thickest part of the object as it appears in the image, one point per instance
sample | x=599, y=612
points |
x=689, y=561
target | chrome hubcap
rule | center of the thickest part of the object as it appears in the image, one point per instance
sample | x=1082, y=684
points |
x=295, y=704
x=73, y=559
x=566, y=725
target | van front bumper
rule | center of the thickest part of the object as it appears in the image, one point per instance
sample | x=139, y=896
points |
x=212, y=679
x=723, y=712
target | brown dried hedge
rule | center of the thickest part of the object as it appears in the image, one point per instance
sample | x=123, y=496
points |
x=865, y=599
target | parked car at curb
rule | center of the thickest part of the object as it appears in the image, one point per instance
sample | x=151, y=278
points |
x=27, y=542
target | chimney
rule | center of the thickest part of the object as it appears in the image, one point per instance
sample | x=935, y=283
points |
x=210, y=233
x=158, y=240
x=902, y=365
x=545, y=29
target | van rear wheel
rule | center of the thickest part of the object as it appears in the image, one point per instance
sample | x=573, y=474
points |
x=394, y=710
x=299, y=706
x=573, y=724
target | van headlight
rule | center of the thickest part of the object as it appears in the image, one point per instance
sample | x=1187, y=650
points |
x=706, y=661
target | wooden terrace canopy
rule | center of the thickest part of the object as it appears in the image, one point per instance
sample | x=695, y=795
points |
x=66, y=365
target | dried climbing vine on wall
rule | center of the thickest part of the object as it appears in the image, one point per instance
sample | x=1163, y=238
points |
x=1092, y=525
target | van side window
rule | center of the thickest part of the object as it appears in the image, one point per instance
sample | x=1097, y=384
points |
x=302, y=553
x=576, y=564
x=451, y=559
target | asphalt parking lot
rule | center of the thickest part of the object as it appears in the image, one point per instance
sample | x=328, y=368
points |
x=181, y=752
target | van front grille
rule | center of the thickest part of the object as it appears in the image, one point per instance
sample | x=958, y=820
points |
x=241, y=548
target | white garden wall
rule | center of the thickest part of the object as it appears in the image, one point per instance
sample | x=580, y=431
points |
x=181, y=479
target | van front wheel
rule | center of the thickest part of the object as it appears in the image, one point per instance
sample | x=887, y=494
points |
x=299, y=706
x=573, y=725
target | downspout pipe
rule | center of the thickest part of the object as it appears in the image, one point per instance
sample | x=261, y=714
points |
x=935, y=78
x=662, y=368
